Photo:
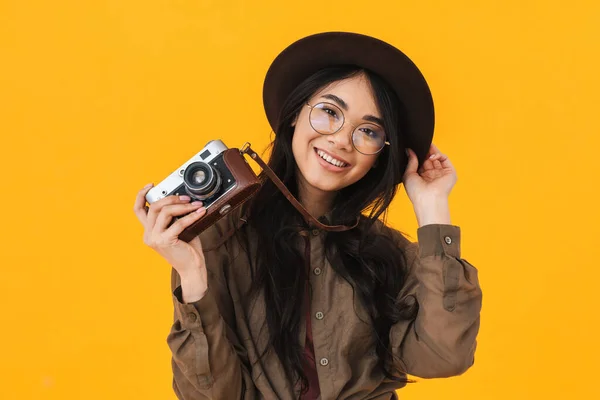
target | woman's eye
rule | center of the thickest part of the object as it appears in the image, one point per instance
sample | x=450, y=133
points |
x=330, y=112
x=369, y=133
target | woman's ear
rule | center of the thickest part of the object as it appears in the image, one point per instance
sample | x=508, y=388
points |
x=293, y=125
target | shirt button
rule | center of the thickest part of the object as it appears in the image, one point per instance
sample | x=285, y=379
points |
x=319, y=315
x=317, y=271
x=324, y=361
x=448, y=239
x=315, y=232
x=192, y=317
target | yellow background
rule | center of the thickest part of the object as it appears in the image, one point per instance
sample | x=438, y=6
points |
x=98, y=98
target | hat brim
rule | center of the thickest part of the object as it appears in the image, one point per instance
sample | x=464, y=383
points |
x=308, y=55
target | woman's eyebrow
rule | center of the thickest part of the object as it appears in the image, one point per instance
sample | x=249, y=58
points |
x=344, y=105
x=340, y=102
x=373, y=119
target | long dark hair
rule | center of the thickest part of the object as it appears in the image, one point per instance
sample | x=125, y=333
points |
x=370, y=262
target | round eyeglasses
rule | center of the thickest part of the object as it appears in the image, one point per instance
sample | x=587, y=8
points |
x=327, y=119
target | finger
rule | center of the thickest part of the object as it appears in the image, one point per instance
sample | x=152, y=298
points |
x=428, y=164
x=182, y=223
x=436, y=154
x=437, y=160
x=413, y=162
x=432, y=150
x=173, y=210
x=443, y=160
x=155, y=207
x=441, y=157
x=139, y=207
x=446, y=163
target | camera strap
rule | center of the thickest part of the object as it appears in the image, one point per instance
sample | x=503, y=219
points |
x=246, y=149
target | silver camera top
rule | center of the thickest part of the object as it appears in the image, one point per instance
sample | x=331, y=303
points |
x=175, y=179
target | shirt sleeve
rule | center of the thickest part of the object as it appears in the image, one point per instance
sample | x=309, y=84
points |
x=441, y=340
x=207, y=359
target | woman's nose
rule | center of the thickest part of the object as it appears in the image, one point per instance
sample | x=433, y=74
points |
x=342, y=139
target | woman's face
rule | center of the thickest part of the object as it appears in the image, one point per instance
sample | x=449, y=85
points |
x=354, y=97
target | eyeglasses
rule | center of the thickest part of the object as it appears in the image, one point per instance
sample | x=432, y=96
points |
x=327, y=119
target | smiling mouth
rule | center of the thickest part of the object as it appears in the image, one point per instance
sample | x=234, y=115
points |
x=331, y=160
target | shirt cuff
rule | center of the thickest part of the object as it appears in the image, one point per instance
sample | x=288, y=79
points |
x=439, y=240
x=201, y=313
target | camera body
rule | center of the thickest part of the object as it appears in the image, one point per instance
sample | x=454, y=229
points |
x=218, y=176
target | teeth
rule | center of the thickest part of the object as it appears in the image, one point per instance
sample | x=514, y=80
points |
x=330, y=159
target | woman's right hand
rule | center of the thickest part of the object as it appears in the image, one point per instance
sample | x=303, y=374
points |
x=186, y=258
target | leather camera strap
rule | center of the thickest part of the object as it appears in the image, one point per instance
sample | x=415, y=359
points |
x=246, y=149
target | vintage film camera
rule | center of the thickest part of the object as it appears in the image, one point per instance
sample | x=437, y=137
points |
x=218, y=176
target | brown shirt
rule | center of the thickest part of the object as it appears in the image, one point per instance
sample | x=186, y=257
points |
x=216, y=342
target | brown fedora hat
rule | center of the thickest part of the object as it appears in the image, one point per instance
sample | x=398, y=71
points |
x=306, y=56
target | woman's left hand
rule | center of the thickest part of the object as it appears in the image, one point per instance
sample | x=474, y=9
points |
x=429, y=186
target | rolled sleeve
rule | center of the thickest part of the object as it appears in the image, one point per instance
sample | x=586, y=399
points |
x=199, y=314
x=441, y=340
x=439, y=240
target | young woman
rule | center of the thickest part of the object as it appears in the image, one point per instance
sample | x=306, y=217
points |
x=267, y=306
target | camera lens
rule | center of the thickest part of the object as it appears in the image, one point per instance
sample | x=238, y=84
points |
x=201, y=180
x=198, y=177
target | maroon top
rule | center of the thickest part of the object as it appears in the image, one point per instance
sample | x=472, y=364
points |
x=308, y=363
x=310, y=368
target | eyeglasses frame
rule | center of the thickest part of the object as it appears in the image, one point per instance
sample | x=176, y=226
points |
x=386, y=143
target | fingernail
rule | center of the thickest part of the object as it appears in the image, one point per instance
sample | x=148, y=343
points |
x=433, y=155
x=407, y=153
x=201, y=209
x=148, y=185
x=197, y=203
x=184, y=198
